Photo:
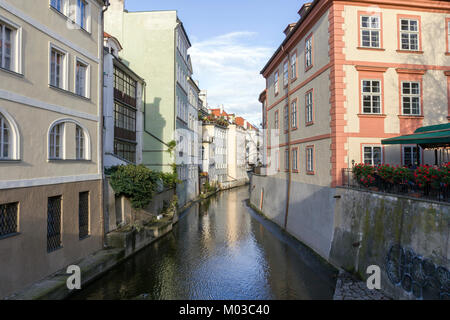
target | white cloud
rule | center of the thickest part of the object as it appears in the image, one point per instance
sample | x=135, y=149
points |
x=228, y=67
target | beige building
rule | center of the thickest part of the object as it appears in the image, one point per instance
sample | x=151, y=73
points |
x=50, y=141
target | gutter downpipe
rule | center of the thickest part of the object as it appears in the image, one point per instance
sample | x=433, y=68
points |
x=101, y=124
x=289, y=140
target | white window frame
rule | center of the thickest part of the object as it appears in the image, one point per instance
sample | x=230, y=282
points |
x=64, y=7
x=52, y=142
x=371, y=30
x=286, y=117
x=309, y=159
x=412, y=153
x=448, y=35
x=276, y=82
x=64, y=68
x=13, y=139
x=309, y=107
x=87, y=27
x=286, y=159
x=409, y=32
x=372, y=153
x=411, y=96
x=87, y=80
x=308, y=52
x=285, y=73
x=80, y=143
x=294, y=114
x=16, y=45
x=294, y=65
x=371, y=94
x=295, y=159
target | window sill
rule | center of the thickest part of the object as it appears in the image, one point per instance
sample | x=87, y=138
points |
x=410, y=51
x=68, y=160
x=309, y=124
x=404, y=116
x=85, y=237
x=63, y=15
x=10, y=160
x=11, y=235
x=293, y=79
x=68, y=92
x=309, y=68
x=368, y=48
x=54, y=250
x=310, y=173
x=14, y=73
x=293, y=129
x=295, y=171
x=371, y=115
x=447, y=53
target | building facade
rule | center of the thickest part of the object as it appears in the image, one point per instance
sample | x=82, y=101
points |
x=122, y=108
x=347, y=75
x=50, y=141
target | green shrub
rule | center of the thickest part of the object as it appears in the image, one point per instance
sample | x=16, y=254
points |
x=170, y=180
x=136, y=183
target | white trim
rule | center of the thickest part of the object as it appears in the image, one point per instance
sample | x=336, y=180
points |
x=12, y=184
x=87, y=137
x=87, y=85
x=375, y=145
x=8, y=7
x=64, y=77
x=10, y=96
x=16, y=52
x=15, y=134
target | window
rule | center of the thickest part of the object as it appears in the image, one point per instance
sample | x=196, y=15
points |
x=80, y=143
x=448, y=34
x=83, y=214
x=125, y=150
x=308, y=52
x=124, y=117
x=310, y=159
x=54, y=223
x=81, y=79
x=411, y=98
x=410, y=155
x=371, y=96
x=8, y=219
x=286, y=118
x=294, y=160
x=56, y=142
x=82, y=11
x=126, y=86
x=276, y=83
x=294, y=66
x=277, y=121
x=370, y=31
x=59, y=5
x=294, y=114
x=372, y=155
x=309, y=108
x=285, y=73
x=57, y=63
x=5, y=138
x=286, y=159
x=409, y=34
x=10, y=36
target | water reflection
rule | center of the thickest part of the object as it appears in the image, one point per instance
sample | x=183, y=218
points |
x=219, y=250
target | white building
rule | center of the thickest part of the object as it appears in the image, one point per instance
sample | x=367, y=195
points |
x=122, y=108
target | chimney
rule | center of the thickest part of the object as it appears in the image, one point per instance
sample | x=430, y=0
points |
x=304, y=9
x=289, y=28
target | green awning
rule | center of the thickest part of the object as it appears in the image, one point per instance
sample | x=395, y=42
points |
x=436, y=136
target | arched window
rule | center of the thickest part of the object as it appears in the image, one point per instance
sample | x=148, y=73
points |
x=61, y=137
x=56, y=142
x=5, y=138
x=80, y=143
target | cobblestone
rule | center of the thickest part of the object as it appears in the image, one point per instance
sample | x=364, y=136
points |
x=350, y=288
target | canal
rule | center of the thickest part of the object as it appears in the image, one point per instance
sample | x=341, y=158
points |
x=220, y=249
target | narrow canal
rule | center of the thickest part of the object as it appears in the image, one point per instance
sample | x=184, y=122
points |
x=220, y=249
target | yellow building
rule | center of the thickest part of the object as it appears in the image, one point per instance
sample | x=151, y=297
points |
x=50, y=142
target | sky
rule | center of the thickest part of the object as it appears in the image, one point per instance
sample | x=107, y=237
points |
x=232, y=40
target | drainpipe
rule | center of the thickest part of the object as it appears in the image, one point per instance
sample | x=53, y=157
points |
x=289, y=140
x=101, y=118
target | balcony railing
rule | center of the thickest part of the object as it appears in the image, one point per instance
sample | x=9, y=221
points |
x=405, y=187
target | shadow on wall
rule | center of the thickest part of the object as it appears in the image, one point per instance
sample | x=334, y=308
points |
x=153, y=136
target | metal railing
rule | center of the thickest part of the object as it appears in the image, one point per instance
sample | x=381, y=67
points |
x=405, y=187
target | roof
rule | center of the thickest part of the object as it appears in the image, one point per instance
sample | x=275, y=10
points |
x=428, y=137
x=107, y=35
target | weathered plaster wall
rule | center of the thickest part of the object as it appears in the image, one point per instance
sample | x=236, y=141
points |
x=408, y=239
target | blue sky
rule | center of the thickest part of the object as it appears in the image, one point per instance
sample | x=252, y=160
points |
x=231, y=42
